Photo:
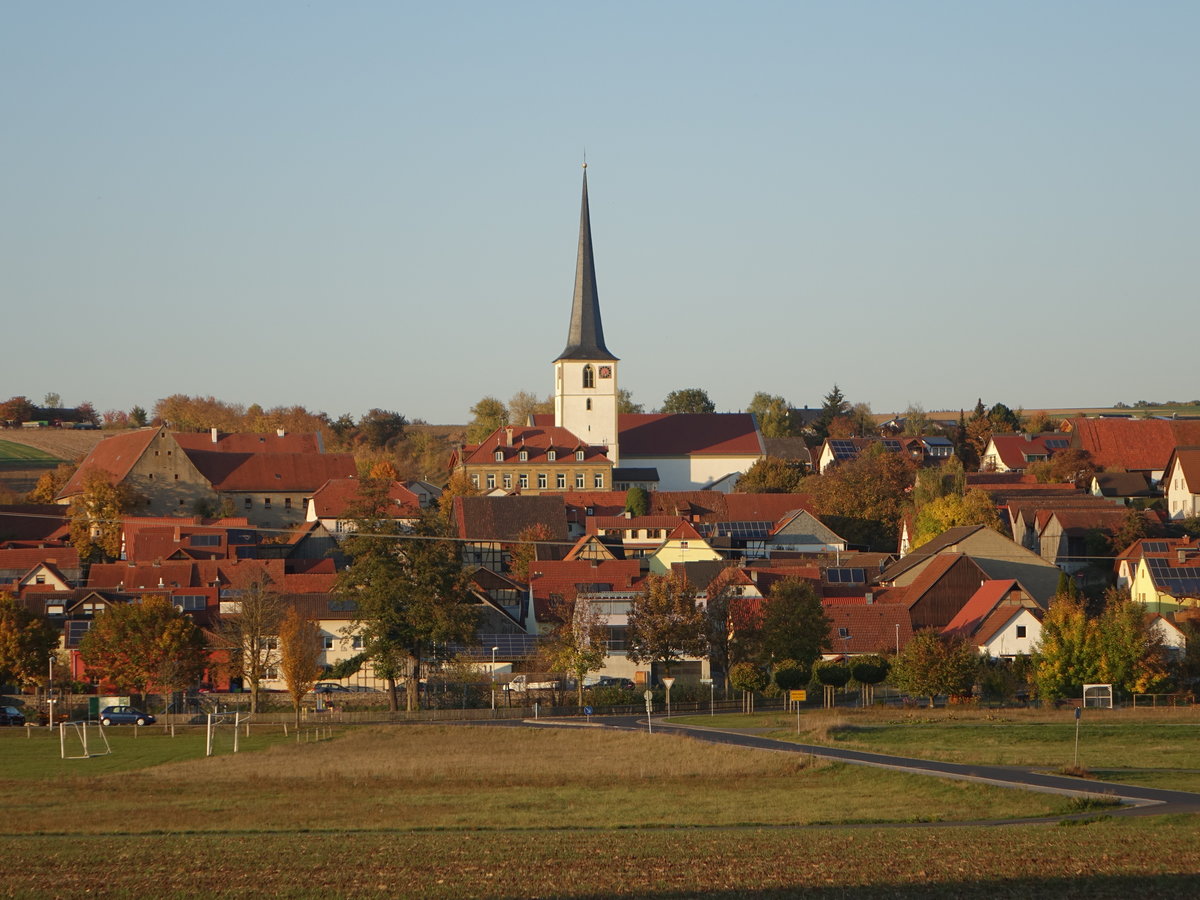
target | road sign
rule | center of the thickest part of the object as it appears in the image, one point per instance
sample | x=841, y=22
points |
x=798, y=696
x=587, y=710
x=649, y=695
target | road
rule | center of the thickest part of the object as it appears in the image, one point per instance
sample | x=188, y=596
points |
x=1137, y=800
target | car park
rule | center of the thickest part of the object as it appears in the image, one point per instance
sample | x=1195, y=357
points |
x=10, y=715
x=124, y=715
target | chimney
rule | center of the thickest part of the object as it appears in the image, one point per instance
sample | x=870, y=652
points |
x=214, y=435
x=508, y=435
x=870, y=597
x=1182, y=555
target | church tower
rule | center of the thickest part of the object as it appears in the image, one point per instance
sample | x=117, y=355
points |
x=585, y=374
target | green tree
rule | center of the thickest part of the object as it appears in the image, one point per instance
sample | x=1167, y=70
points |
x=1131, y=654
x=95, y=515
x=300, y=649
x=794, y=625
x=52, y=400
x=579, y=643
x=665, y=625
x=250, y=630
x=486, y=416
x=772, y=414
x=832, y=673
x=625, y=402
x=933, y=482
x=523, y=405
x=789, y=675
x=930, y=665
x=409, y=589
x=136, y=646
x=732, y=625
x=916, y=420
x=138, y=417
x=637, y=501
x=381, y=428
x=868, y=496
x=868, y=671
x=26, y=641
x=975, y=507
x=688, y=400
x=770, y=475
x=833, y=406
x=1067, y=655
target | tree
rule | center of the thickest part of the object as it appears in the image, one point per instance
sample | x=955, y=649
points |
x=17, y=409
x=137, y=417
x=861, y=420
x=26, y=642
x=772, y=413
x=688, y=400
x=732, y=626
x=52, y=400
x=527, y=550
x=625, y=402
x=789, y=675
x=251, y=632
x=1066, y=656
x=523, y=405
x=794, y=625
x=579, y=643
x=665, y=624
x=929, y=666
x=409, y=589
x=748, y=678
x=50, y=483
x=770, y=475
x=1131, y=654
x=151, y=643
x=868, y=495
x=381, y=428
x=975, y=507
x=933, y=482
x=299, y=656
x=486, y=416
x=833, y=406
x=95, y=516
x=916, y=420
x=868, y=671
x=637, y=501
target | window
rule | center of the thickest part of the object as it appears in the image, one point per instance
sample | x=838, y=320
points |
x=181, y=501
x=498, y=456
x=474, y=481
x=523, y=456
x=189, y=602
x=249, y=503
x=598, y=481
x=523, y=480
x=589, y=403
x=542, y=480
x=1020, y=631
x=205, y=540
x=552, y=455
x=589, y=377
x=270, y=673
x=287, y=502
x=266, y=502
x=507, y=481
x=356, y=642
x=177, y=477
x=560, y=480
x=326, y=642
x=844, y=633
x=491, y=481
x=578, y=456
x=150, y=476
x=579, y=481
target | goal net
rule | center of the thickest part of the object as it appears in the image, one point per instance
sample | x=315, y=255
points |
x=222, y=730
x=1097, y=696
x=82, y=740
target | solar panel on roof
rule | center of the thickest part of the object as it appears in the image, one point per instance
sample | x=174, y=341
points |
x=1057, y=443
x=843, y=449
x=738, y=530
x=893, y=446
x=1155, y=547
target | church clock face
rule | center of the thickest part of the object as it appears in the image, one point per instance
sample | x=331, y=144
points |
x=606, y=371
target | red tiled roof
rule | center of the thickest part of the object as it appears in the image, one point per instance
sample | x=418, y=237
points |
x=270, y=472
x=31, y=521
x=978, y=607
x=338, y=496
x=1014, y=448
x=1188, y=461
x=870, y=628
x=503, y=518
x=115, y=455
x=249, y=442
x=536, y=441
x=24, y=559
x=1134, y=444
x=684, y=434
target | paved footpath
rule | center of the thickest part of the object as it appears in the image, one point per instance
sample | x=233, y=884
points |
x=1138, y=800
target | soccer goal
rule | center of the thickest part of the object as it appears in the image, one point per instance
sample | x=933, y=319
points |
x=82, y=740
x=222, y=732
x=1097, y=696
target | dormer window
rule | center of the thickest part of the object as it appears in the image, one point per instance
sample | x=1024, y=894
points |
x=524, y=456
x=498, y=456
x=579, y=456
x=552, y=455
x=589, y=377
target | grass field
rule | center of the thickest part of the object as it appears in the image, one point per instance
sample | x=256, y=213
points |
x=457, y=811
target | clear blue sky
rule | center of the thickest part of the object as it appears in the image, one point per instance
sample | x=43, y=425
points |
x=375, y=204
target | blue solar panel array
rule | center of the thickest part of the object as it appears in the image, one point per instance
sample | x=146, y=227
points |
x=1057, y=443
x=846, y=575
x=741, y=531
x=843, y=449
x=1177, y=580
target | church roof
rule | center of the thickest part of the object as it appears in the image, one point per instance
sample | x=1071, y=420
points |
x=585, y=338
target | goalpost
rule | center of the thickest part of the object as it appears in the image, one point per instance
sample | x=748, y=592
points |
x=215, y=720
x=78, y=732
x=1098, y=696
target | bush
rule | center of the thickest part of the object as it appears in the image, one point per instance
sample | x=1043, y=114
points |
x=832, y=674
x=747, y=677
x=790, y=675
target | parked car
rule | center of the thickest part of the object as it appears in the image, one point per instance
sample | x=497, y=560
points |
x=611, y=681
x=330, y=687
x=362, y=689
x=124, y=715
x=10, y=715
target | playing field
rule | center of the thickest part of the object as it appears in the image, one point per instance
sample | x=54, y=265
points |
x=466, y=811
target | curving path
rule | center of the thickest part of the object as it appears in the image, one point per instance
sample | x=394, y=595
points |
x=1137, y=800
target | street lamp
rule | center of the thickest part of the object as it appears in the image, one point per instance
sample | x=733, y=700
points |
x=897, y=638
x=494, y=649
x=50, y=691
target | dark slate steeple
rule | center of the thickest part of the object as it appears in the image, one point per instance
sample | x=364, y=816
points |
x=585, y=338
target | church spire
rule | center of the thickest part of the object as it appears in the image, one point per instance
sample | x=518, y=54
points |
x=585, y=338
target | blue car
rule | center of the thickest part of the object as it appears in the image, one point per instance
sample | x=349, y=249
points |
x=124, y=715
x=10, y=715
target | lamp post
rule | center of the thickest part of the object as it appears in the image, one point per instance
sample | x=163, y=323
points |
x=50, y=691
x=897, y=638
x=668, y=681
x=494, y=649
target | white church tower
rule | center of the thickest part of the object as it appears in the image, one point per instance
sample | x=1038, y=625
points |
x=585, y=374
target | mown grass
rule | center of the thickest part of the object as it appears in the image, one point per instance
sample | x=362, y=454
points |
x=454, y=777
x=10, y=451
x=1106, y=859
x=1109, y=739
